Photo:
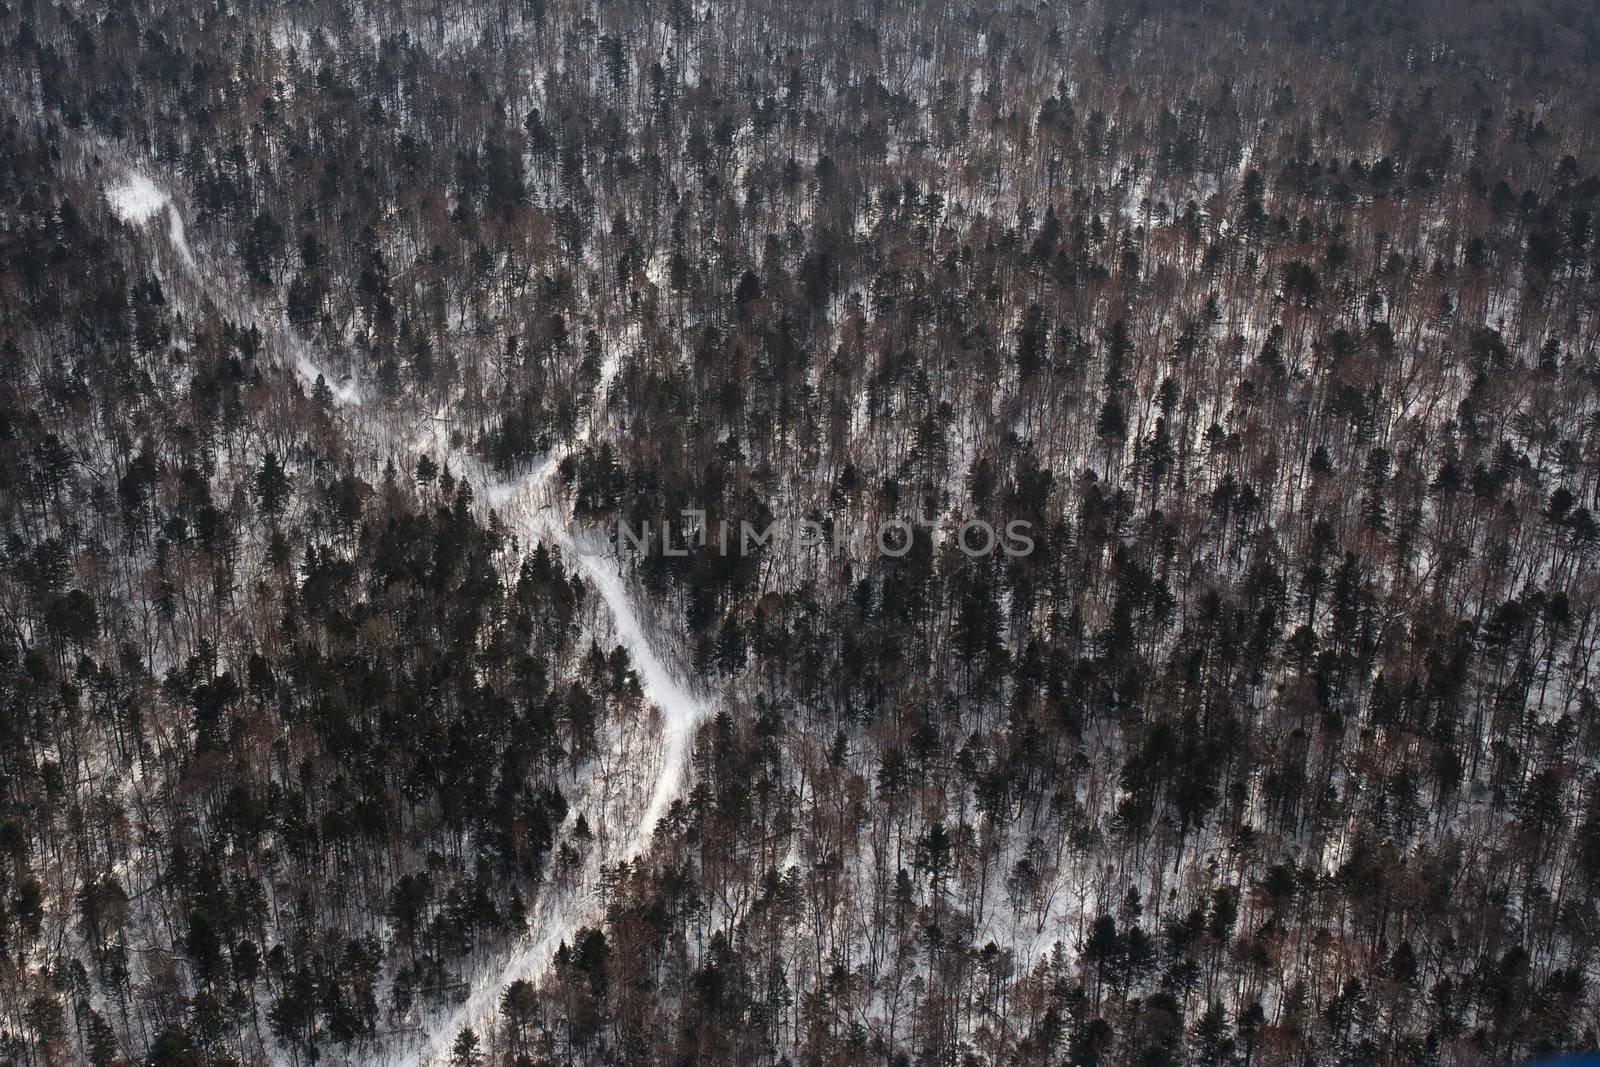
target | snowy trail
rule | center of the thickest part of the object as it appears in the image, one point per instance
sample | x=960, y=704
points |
x=563, y=910
x=527, y=506
x=624, y=828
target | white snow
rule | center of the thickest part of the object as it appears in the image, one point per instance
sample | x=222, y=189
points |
x=345, y=392
x=680, y=710
x=179, y=240
x=136, y=199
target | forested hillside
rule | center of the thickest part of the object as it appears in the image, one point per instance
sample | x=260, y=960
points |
x=335, y=335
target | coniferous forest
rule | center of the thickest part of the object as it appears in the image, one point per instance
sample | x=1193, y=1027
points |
x=380, y=379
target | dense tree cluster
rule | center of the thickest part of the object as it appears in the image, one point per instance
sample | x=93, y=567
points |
x=1275, y=323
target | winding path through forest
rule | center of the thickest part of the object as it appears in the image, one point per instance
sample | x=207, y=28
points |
x=654, y=761
x=526, y=506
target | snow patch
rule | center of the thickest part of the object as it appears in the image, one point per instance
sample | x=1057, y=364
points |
x=346, y=393
x=136, y=199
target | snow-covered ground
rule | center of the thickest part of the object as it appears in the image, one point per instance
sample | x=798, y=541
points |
x=136, y=199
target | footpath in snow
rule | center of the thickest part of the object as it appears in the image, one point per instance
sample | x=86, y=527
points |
x=631, y=788
x=623, y=798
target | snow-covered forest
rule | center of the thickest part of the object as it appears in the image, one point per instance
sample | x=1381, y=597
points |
x=327, y=327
